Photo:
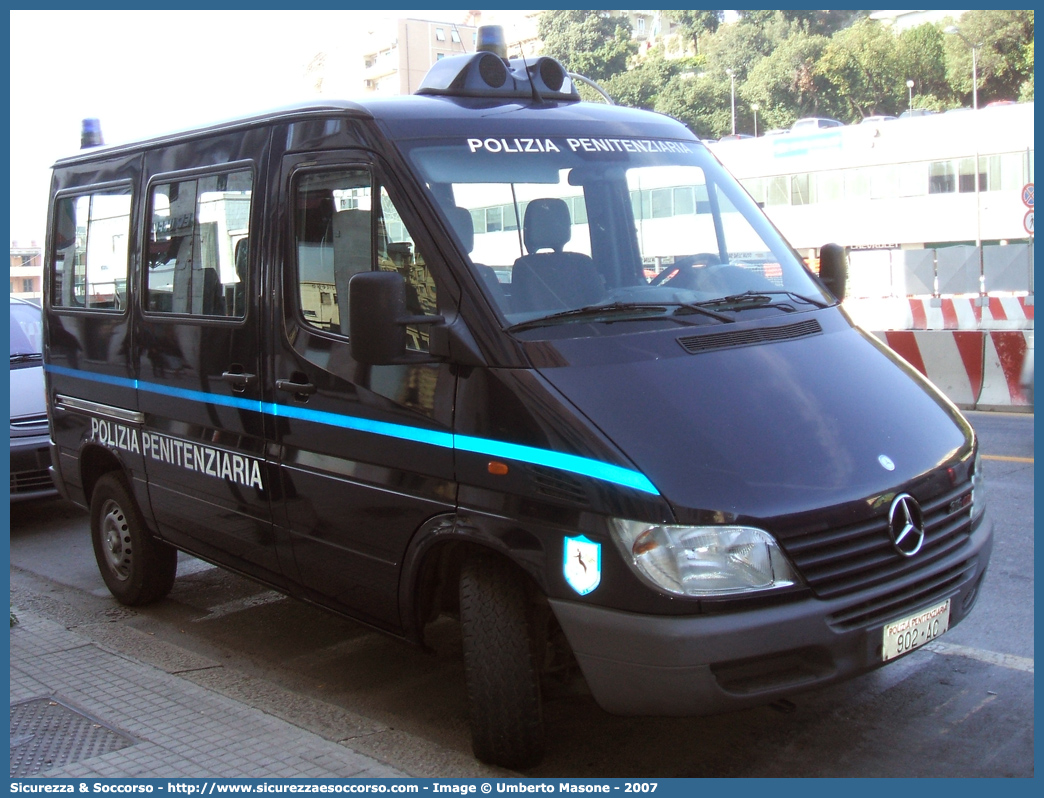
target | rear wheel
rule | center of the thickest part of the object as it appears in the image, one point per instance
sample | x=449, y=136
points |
x=137, y=568
x=503, y=680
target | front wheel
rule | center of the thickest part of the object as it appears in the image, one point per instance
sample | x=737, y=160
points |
x=503, y=680
x=137, y=568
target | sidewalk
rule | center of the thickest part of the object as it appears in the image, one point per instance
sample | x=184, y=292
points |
x=90, y=712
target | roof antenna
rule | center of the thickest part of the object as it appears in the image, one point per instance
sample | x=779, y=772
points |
x=537, y=99
x=463, y=47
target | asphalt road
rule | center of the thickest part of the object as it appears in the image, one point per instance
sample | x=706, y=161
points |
x=963, y=707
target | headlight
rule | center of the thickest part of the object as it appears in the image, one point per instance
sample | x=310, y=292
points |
x=978, y=494
x=704, y=560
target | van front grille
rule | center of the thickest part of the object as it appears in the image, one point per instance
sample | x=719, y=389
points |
x=932, y=589
x=837, y=562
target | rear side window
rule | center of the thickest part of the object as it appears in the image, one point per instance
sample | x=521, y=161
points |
x=89, y=263
x=197, y=256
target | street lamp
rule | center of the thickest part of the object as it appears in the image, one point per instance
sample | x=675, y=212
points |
x=952, y=29
x=754, y=107
x=910, y=85
x=732, y=77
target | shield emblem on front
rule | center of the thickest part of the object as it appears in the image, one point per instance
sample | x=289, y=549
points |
x=582, y=564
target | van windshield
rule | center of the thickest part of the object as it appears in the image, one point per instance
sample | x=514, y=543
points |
x=557, y=227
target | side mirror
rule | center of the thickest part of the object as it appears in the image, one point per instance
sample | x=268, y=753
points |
x=833, y=269
x=378, y=318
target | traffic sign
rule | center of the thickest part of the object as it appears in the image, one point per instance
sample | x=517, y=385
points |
x=1028, y=222
x=1027, y=195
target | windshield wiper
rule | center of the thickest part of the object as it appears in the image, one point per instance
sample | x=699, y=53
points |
x=611, y=309
x=26, y=357
x=760, y=299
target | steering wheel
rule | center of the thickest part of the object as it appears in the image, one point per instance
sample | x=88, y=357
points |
x=685, y=266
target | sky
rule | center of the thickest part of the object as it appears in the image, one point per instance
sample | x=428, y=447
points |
x=145, y=73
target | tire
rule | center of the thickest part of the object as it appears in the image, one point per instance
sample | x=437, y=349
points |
x=137, y=568
x=503, y=681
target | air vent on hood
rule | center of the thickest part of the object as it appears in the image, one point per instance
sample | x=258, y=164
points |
x=694, y=344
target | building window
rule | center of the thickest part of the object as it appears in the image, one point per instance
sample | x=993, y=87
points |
x=440, y=34
x=641, y=26
x=439, y=56
x=778, y=191
x=800, y=193
x=455, y=36
x=27, y=285
x=942, y=178
x=966, y=181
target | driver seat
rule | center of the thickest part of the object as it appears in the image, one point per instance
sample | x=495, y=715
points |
x=555, y=280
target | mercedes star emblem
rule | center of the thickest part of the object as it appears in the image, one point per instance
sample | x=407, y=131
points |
x=906, y=525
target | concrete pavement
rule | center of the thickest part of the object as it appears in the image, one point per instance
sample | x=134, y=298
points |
x=82, y=710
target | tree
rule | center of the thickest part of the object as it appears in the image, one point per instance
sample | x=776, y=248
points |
x=591, y=43
x=639, y=86
x=862, y=64
x=696, y=102
x=786, y=84
x=695, y=24
x=1002, y=60
x=824, y=23
x=922, y=59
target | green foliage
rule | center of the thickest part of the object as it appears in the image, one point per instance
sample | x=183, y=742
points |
x=795, y=63
x=785, y=83
x=1003, y=68
x=639, y=87
x=696, y=23
x=922, y=59
x=588, y=42
x=862, y=65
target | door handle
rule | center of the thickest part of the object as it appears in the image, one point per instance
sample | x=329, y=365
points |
x=238, y=379
x=299, y=389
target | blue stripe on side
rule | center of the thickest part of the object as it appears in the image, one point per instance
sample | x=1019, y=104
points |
x=429, y=436
x=122, y=382
x=574, y=464
x=563, y=462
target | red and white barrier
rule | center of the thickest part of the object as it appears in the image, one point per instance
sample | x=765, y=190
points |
x=975, y=369
x=1003, y=358
x=946, y=313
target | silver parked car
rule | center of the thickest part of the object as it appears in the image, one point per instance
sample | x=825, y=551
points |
x=30, y=437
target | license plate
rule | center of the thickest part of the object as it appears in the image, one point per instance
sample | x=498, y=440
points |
x=915, y=630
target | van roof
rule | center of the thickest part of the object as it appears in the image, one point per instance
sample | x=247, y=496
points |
x=442, y=115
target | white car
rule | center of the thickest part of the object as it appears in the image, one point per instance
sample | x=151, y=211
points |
x=30, y=436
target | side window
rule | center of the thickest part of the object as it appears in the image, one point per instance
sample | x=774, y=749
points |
x=198, y=246
x=338, y=232
x=397, y=251
x=89, y=262
x=334, y=240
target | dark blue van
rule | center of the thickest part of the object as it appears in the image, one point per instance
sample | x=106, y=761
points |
x=493, y=352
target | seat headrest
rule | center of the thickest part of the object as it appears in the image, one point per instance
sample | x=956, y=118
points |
x=463, y=226
x=547, y=225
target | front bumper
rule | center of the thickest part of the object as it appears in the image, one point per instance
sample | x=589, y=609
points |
x=30, y=468
x=699, y=665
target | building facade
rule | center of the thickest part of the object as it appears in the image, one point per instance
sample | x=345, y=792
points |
x=26, y=270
